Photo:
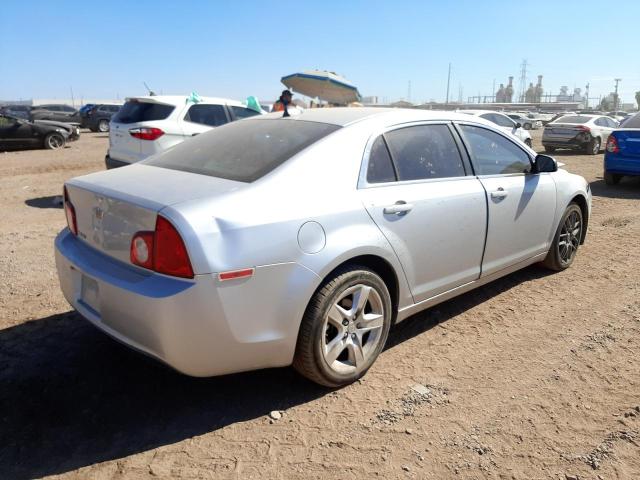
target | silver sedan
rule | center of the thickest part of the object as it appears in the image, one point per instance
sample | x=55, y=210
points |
x=276, y=241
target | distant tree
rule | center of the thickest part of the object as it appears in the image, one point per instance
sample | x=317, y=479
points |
x=638, y=99
x=605, y=105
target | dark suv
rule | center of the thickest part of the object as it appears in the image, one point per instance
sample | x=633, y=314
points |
x=57, y=113
x=98, y=117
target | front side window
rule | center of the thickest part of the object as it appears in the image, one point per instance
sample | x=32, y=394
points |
x=425, y=152
x=493, y=154
x=211, y=115
x=242, y=112
x=380, y=168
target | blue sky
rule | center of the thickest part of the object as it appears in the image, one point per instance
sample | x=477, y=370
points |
x=240, y=48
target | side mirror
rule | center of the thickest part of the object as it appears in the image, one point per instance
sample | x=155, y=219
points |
x=518, y=125
x=544, y=164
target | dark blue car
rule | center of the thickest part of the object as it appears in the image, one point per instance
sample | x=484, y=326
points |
x=622, y=155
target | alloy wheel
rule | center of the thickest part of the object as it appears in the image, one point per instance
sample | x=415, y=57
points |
x=103, y=126
x=569, y=238
x=55, y=141
x=352, y=329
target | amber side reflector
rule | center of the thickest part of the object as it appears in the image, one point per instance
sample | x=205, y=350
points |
x=232, y=275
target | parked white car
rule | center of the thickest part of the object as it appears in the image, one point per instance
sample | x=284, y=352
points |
x=151, y=124
x=588, y=133
x=504, y=123
x=527, y=120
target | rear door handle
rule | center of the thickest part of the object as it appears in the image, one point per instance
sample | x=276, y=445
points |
x=400, y=208
x=500, y=193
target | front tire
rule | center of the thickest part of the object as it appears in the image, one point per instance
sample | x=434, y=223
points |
x=344, y=328
x=566, y=240
x=527, y=142
x=527, y=126
x=53, y=141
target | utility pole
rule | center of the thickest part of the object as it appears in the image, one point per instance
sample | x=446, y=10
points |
x=493, y=91
x=460, y=92
x=448, y=82
x=409, y=92
x=615, y=96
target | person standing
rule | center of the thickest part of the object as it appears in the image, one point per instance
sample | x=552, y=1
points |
x=282, y=104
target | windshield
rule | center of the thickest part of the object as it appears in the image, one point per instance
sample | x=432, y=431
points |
x=243, y=151
x=573, y=119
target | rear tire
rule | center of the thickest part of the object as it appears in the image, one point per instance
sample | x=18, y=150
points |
x=593, y=147
x=344, y=328
x=549, y=149
x=566, y=240
x=527, y=126
x=612, y=178
x=53, y=141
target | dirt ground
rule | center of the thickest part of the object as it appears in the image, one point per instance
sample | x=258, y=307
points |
x=534, y=376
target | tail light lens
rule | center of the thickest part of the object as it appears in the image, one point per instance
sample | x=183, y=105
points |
x=612, y=145
x=145, y=133
x=582, y=128
x=70, y=213
x=162, y=250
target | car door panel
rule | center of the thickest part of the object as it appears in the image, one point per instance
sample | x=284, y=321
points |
x=439, y=240
x=430, y=210
x=521, y=214
x=521, y=205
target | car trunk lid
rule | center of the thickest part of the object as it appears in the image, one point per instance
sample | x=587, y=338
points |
x=112, y=206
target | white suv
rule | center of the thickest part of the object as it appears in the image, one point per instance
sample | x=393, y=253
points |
x=148, y=125
x=504, y=123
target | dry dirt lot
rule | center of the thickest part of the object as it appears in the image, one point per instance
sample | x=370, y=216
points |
x=534, y=376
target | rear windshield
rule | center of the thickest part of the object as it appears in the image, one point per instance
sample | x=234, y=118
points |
x=134, y=112
x=573, y=119
x=243, y=151
x=632, y=122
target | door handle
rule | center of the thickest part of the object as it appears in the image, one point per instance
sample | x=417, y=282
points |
x=400, y=208
x=500, y=193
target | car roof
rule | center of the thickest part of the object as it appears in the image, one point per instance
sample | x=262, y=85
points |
x=480, y=112
x=344, y=116
x=182, y=99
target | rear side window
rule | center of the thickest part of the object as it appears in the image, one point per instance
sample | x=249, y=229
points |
x=380, y=168
x=242, y=112
x=134, y=112
x=243, y=151
x=211, y=115
x=493, y=154
x=425, y=151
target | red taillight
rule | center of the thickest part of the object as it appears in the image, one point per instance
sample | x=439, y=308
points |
x=161, y=250
x=144, y=133
x=70, y=213
x=582, y=128
x=612, y=145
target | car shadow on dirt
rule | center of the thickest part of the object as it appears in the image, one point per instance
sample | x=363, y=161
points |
x=52, y=201
x=629, y=187
x=71, y=397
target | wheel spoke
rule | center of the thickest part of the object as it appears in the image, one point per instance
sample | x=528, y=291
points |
x=336, y=315
x=356, y=355
x=370, y=321
x=360, y=299
x=334, y=348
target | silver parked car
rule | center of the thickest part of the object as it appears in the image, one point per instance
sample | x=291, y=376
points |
x=275, y=241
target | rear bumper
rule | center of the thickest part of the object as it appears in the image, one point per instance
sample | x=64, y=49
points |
x=621, y=165
x=559, y=143
x=199, y=326
x=113, y=163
